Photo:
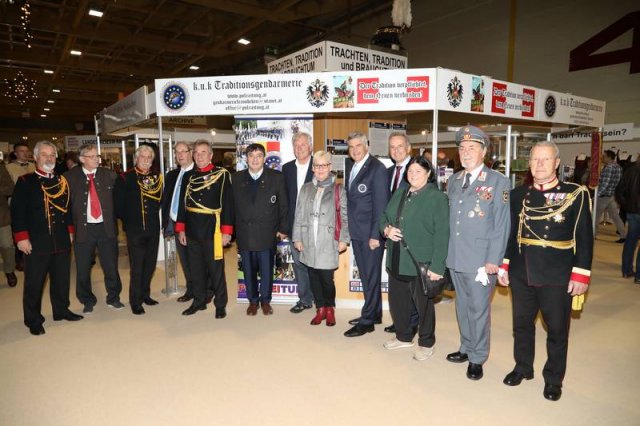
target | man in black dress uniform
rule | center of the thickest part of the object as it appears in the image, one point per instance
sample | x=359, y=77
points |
x=42, y=226
x=205, y=226
x=547, y=263
x=260, y=198
x=138, y=193
x=91, y=191
x=170, y=204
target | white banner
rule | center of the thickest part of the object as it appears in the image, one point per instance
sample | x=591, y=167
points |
x=565, y=108
x=610, y=132
x=390, y=90
x=126, y=112
x=73, y=143
x=332, y=56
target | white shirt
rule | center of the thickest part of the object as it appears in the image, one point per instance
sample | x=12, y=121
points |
x=91, y=219
x=356, y=168
x=403, y=168
x=474, y=174
x=183, y=170
x=256, y=176
x=302, y=173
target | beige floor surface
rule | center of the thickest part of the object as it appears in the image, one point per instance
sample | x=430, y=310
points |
x=113, y=368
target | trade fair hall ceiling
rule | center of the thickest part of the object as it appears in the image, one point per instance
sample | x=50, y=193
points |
x=136, y=41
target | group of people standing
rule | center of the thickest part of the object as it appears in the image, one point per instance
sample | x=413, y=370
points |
x=536, y=238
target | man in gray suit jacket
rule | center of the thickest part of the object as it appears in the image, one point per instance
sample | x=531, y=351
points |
x=479, y=226
x=91, y=196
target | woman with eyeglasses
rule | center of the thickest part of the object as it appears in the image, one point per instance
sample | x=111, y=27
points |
x=320, y=233
x=418, y=215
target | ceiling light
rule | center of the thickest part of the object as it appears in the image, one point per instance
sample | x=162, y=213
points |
x=20, y=88
x=76, y=52
x=46, y=109
x=43, y=115
x=56, y=90
x=51, y=101
x=194, y=68
x=96, y=13
x=48, y=71
x=244, y=41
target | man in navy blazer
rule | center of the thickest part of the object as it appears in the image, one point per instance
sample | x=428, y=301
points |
x=296, y=173
x=367, y=196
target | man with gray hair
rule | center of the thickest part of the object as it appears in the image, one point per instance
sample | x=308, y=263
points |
x=91, y=197
x=367, y=196
x=137, y=194
x=42, y=229
x=296, y=173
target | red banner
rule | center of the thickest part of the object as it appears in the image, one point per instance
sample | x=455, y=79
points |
x=596, y=157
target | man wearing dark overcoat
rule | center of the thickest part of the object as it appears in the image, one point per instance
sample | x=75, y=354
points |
x=42, y=229
x=261, y=209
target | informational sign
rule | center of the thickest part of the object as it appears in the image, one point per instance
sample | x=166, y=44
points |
x=73, y=143
x=355, y=281
x=390, y=90
x=461, y=92
x=379, y=133
x=124, y=113
x=332, y=56
x=610, y=133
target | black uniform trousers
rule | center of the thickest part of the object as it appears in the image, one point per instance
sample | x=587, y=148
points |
x=369, y=264
x=405, y=298
x=323, y=287
x=143, y=255
x=204, y=270
x=108, y=255
x=555, y=305
x=37, y=266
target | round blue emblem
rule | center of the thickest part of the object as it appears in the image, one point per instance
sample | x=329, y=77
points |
x=174, y=97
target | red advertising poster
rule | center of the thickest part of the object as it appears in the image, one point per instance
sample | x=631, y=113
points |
x=596, y=156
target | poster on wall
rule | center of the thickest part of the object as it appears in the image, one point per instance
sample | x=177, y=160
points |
x=339, y=150
x=285, y=287
x=355, y=282
x=379, y=133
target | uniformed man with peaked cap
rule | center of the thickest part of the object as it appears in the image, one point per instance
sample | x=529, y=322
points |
x=479, y=227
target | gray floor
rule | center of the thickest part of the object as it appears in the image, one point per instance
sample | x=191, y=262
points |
x=166, y=369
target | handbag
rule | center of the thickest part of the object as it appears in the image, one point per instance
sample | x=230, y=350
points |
x=430, y=288
x=336, y=200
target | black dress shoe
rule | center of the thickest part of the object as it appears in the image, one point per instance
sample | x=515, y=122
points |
x=474, y=371
x=12, y=280
x=457, y=357
x=299, y=307
x=357, y=321
x=36, y=330
x=150, y=302
x=69, y=316
x=221, y=313
x=552, y=392
x=193, y=309
x=390, y=329
x=621, y=240
x=359, y=330
x=184, y=298
x=514, y=378
x=137, y=310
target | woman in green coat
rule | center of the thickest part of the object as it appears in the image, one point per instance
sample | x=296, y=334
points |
x=420, y=216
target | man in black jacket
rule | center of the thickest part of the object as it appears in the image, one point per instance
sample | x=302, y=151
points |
x=41, y=225
x=170, y=204
x=138, y=193
x=296, y=173
x=260, y=201
x=205, y=226
x=628, y=192
x=91, y=197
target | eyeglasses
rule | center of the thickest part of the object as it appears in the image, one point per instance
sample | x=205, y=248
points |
x=183, y=152
x=93, y=157
x=321, y=166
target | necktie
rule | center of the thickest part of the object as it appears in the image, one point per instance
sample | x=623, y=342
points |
x=354, y=173
x=467, y=181
x=396, y=180
x=175, y=201
x=96, y=211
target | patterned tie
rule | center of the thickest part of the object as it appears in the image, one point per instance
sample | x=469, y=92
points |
x=467, y=181
x=96, y=211
x=396, y=180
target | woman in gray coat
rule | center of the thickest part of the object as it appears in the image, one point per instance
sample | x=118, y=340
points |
x=320, y=233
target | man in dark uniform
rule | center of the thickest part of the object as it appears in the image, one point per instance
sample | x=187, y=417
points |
x=42, y=226
x=91, y=191
x=138, y=193
x=205, y=226
x=367, y=196
x=170, y=204
x=296, y=173
x=261, y=210
x=547, y=263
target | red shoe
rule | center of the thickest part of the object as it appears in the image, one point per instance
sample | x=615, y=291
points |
x=331, y=316
x=321, y=313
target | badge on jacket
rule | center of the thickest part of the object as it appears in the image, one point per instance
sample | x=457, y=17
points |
x=362, y=188
x=273, y=199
